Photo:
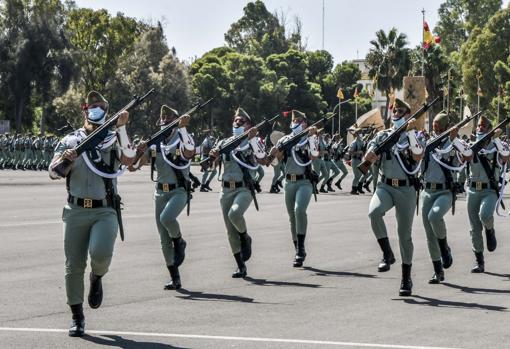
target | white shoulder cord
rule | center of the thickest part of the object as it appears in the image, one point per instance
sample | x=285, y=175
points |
x=502, y=190
x=299, y=163
x=162, y=147
x=242, y=163
x=102, y=174
x=445, y=165
x=411, y=173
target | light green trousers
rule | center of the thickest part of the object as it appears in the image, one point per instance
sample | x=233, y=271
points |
x=319, y=166
x=297, y=198
x=357, y=173
x=277, y=173
x=234, y=203
x=87, y=231
x=434, y=206
x=168, y=207
x=404, y=201
x=480, y=206
x=337, y=167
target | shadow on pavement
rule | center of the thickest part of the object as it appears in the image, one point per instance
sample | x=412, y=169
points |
x=432, y=302
x=202, y=296
x=474, y=290
x=496, y=274
x=118, y=341
x=321, y=272
x=264, y=282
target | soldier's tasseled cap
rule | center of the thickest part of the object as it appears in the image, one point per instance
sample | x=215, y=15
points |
x=166, y=111
x=298, y=114
x=443, y=119
x=398, y=103
x=242, y=113
x=95, y=97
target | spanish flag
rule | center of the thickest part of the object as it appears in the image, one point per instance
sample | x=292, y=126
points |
x=340, y=94
x=428, y=38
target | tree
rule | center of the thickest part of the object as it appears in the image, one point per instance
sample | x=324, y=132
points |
x=389, y=61
x=484, y=48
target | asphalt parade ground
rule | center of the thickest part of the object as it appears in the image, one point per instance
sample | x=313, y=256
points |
x=338, y=299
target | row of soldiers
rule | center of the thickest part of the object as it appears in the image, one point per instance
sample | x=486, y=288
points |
x=26, y=152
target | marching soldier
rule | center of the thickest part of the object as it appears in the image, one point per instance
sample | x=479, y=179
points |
x=482, y=194
x=171, y=161
x=356, y=152
x=209, y=173
x=437, y=199
x=298, y=186
x=319, y=164
x=90, y=221
x=396, y=189
x=235, y=197
x=337, y=158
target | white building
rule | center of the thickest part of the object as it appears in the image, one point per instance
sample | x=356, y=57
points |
x=379, y=99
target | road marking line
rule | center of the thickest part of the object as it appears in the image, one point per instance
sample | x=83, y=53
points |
x=225, y=338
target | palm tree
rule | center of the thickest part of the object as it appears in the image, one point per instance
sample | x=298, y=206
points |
x=388, y=61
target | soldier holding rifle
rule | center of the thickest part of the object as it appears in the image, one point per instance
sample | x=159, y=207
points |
x=90, y=219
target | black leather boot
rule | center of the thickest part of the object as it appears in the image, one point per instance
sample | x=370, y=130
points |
x=446, y=253
x=338, y=184
x=322, y=190
x=175, y=283
x=328, y=183
x=492, y=243
x=274, y=189
x=300, y=251
x=367, y=186
x=203, y=189
x=480, y=263
x=245, y=246
x=354, y=190
x=96, y=291
x=207, y=185
x=360, y=188
x=279, y=184
x=388, y=256
x=406, y=285
x=77, y=328
x=241, y=271
x=179, y=250
x=438, y=273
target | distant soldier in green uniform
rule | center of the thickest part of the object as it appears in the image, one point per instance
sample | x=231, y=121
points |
x=298, y=187
x=171, y=160
x=337, y=157
x=319, y=164
x=356, y=153
x=482, y=194
x=90, y=222
x=235, y=197
x=437, y=198
x=209, y=173
x=18, y=152
x=3, y=152
x=396, y=188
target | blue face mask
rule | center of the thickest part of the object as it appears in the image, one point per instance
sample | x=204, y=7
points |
x=96, y=115
x=399, y=122
x=237, y=131
x=296, y=128
x=479, y=135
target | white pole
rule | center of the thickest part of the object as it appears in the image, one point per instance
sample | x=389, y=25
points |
x=339, y=112
x=323, y=23
x=423, y=43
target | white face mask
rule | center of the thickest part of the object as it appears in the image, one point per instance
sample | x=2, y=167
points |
x=399, y=122
x=237, y=131
x=479, y=135
x=296, y=128
x=96, y=115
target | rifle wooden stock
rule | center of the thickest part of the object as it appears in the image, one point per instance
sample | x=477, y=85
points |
x=394, y=136
x=63, y=166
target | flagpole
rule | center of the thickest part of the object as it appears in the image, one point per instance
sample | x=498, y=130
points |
x=323, y=24
x=339, y=118
x=422, y=42
x=478, y=95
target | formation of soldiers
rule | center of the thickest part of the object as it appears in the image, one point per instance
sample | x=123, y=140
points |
x=306, y=162
x=26, y=152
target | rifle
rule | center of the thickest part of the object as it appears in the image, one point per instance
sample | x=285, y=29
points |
x=478, y=145
x=234, y=143
x=433, y=144
x=161, y=135
x=394, y=136
x=63, y=166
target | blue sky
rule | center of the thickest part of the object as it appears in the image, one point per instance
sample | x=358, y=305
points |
x=194, y=27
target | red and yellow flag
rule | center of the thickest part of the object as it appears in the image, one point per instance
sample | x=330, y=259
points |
x=428, y=38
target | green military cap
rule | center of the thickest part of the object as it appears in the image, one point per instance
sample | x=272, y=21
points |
x=443, y=119
x=95, y=97
x=298, y=114
x=242, y=113
x=398, y=103
x=167, y=111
